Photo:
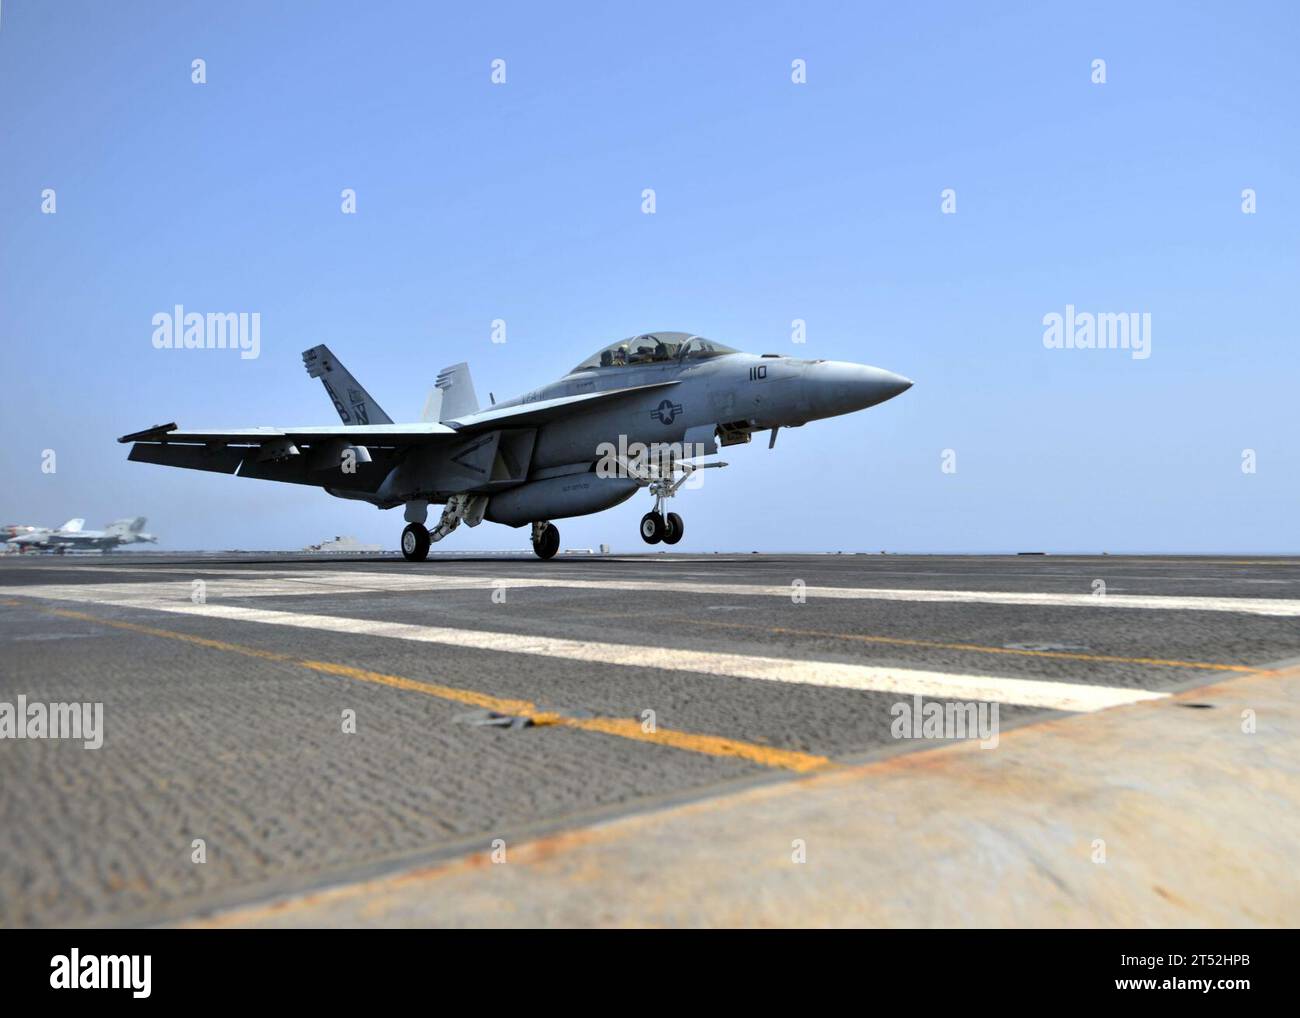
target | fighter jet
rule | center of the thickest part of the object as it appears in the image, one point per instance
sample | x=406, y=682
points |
x=639, y=413
x=71, y=536
x=20, y=538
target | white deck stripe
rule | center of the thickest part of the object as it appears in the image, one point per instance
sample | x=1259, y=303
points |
x=278, y=583
x=1064, y=696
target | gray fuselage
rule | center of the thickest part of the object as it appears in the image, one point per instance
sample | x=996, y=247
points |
x=749, y=391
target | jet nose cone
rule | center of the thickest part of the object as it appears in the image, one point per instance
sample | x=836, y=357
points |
x=839, y=387
x=893, y=385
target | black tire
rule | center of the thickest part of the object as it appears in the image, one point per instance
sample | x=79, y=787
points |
x=415, y=543
x=673, y=528
x=652, y=528
x=549, y=544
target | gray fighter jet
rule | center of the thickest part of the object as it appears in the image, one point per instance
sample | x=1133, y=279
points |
x=71, y=536
x=18, y=537
x=641, y=413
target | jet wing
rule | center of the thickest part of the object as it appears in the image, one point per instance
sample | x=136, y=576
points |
x=531, y=414
x=359, y=434
x=295, y=455
x=299, y=455
x=520, y=415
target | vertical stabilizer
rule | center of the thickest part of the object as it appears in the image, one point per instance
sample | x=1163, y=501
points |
x=432, y=413
x=457, y=391
x=131, y=525
x=354, y=404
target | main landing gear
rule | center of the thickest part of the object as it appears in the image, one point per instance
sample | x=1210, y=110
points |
x=415, y=543
x=546, y=540
x=416, y=538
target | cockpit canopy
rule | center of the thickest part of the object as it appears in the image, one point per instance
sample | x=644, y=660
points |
x=653, y=348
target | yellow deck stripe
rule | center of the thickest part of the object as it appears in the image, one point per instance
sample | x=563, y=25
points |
x=625, y=728
x=983, y=649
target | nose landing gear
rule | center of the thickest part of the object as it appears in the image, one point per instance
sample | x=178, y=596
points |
x=656, y=527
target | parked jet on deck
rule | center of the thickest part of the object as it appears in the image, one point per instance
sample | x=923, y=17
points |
x=72, y=537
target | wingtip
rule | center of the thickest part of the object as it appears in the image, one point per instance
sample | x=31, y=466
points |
x=157, y=431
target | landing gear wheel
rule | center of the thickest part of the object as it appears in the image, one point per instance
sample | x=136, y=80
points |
x=652, y=528
x=415, y=543
x=549, y=543
x=673, y=528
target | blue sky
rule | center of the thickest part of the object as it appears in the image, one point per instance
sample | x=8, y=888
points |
x=775, y=201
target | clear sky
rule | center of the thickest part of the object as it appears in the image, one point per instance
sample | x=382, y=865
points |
x=775, y=201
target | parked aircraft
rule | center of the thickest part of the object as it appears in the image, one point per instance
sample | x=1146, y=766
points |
x=20, y=538
x=72, y=536
x=639, y=413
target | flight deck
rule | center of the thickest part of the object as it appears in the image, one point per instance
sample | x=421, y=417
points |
x=653, y=739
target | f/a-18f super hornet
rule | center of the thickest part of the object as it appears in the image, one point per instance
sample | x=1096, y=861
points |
x=72, y=537
x=638, y=414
